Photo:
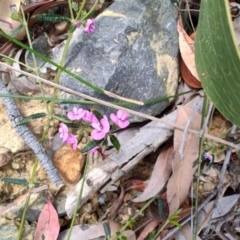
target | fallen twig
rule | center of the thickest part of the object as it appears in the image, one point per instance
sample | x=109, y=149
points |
x=108, y=104
x=28, y=137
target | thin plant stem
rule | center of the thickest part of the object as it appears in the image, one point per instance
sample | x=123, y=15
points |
x=123, y=228
x=70, y=9
x=201, y=141
x=78, y=199
x=81, y=9
x=31, y=184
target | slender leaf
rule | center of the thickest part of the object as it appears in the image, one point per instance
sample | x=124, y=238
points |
x=115, y=142
x=90, y=145
x=98, y=115
x=218, y=59
x=17, y=181
x=31, y=117
x=51, y=17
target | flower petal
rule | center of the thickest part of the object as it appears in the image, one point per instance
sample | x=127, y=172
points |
x=97, y=135
x=105, y=124
x=114, y=118
x=123, y=124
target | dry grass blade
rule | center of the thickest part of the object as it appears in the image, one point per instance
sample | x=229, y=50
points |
x=180, y=181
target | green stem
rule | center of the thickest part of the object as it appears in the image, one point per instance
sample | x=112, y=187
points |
x=78, y=199
x=201, y=142
x=123, y=228
x=31, y=184
x=80, y=9
x=70, y=9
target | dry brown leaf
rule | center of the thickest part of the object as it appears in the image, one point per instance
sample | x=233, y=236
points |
x=161, y=172
x=180, y=181
x=186, y=45
x=92, y=232
x=149, y=228
x=187, y=231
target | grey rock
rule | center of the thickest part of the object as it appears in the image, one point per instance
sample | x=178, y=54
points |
x=133, y=53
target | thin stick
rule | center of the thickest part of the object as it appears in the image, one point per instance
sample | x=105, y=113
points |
x=28, y=137
x=223, y=172
x=173, y=125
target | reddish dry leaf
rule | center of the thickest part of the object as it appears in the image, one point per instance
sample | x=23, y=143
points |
x=149, y=228
x=117, y=204
x=186, y=45
x=161, y=172
x=136, y=184
x=188, y=77
x=48, y=225
x=180, y=181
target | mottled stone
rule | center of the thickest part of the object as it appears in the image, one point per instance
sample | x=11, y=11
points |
x=69, y=163
x=133, y=53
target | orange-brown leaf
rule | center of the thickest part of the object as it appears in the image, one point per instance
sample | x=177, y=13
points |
x=186, y=45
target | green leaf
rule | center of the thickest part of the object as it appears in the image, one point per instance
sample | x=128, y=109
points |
x=90, y=145
x=107, y=229
x=98, y=115
x=115, y=142
x=217, y=58
x=51, y=17
x=31, y=117
x=17, y=181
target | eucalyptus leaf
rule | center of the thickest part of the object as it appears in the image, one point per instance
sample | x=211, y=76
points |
x=217, y=58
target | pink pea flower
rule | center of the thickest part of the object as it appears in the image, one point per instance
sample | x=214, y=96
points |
x=89, y=117
x=63, y=130
x=72, y=140
x=121, y=118
x=90, y=28
x=78, y=24
x=76, y=114
x=208, y=156
x=93, y=150
x=100, y=129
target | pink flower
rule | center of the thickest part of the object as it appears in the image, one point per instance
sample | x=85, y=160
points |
x=208, y=156
x=100, y=129
x=89, y=117
x=93, y=150
x=76, y=114
x=72, y=140
x=63, y=130
x=90, y=28
x=78, y=24
x=121, y=118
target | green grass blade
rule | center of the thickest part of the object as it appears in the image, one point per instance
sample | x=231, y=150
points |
x=217, y=58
